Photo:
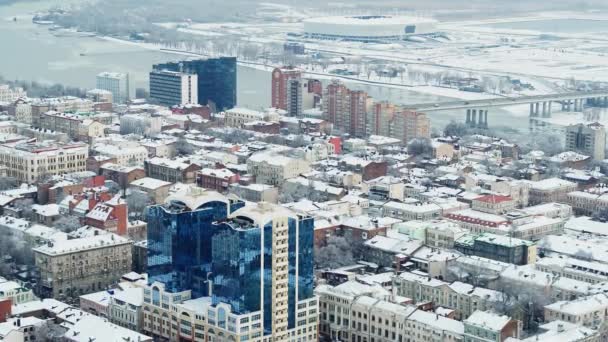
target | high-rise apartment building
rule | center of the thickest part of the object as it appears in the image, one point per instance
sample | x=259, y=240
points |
x=287, y=89
x=172, y=88
x=346, y=109
x=388, y=120
x=589, y=139
x=380, y=117
x=216, y=79
x=116, y=83
x=252, y=262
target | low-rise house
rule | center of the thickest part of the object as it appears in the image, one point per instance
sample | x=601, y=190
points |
x=15, y=292
x=219, y=180
x=550, y=190
x=256, y=192
x=485, y=326
x=498, y=247
x=179, y=170
x=157, y=189
x=590, y=311
x=493, y=204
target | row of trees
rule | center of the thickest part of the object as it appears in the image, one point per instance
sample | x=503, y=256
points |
x=38, y=89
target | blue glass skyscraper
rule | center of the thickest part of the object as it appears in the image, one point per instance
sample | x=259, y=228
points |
x=216, y=79
x=256, y=258
x=178, y=233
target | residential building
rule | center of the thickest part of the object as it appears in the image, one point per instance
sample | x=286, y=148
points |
x=442, y=233
x=216, y=79
x=412, y=211
x=122, y=175
x=486, y=326
x=157, y=190
x=176, y=170
x=124, y=153
x=286, y=90
x=172, y=88
x=216, y=179
x=563, y=332
x=110, y=216
x=273, y=168
x=237, y=117
x=367, y=168
x=74, y=267
x=256, y=192
x=92, y=328
x=493, y=204
x=498, y=247
x=141, y=123
x=590, y=311
x=356, y=312
x=15, y=292
x=588, y=202
x=21, y=110
x=126, y=308
x=346, y=109
x=116, y=83
x=589, y=139
x=387, y=120
x=592, y=272
x=20, y=329
x=550, y=190
x=464, y=298
x=29, y=162
x=10, y=95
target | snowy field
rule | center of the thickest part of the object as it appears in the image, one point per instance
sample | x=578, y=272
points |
x=562, y=47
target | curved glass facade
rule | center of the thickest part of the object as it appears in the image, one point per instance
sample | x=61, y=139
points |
x=231, y=259
x=178, y=253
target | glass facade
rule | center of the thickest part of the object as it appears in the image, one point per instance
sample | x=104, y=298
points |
x=229, y=259
x=177, y=244
x=216, y=79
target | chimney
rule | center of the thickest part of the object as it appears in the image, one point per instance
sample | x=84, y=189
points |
x=560, y=327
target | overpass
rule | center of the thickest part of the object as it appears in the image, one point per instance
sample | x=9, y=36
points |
x=540, y=105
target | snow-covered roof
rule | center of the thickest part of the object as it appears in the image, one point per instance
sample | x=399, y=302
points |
x=488, y=320
x=581, y=306
x=76, y=245
x=150, y=183
x=93, y=328
x=551, y=184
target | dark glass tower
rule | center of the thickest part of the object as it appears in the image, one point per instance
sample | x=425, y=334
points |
x=255, y=252
x=257, y=258
x=216, y=79
x=178, y=234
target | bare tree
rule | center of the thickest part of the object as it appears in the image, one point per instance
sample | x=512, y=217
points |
x=49, y=332
x=183, y=147
x=137, y=201
x=8, y=183
x=336, y=253
x=455, y=129
x=420, y=147
x=68, y=223
x=25, y=208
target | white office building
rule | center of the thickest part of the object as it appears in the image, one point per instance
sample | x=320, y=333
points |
x=116, y=83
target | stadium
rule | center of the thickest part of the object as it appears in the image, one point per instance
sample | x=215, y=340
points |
x=369, y=28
